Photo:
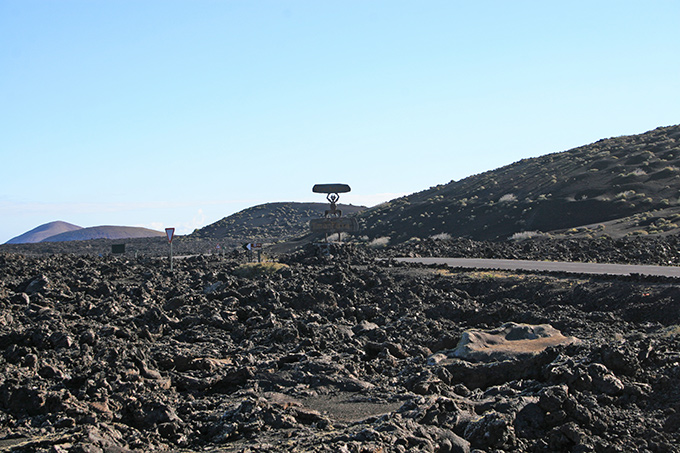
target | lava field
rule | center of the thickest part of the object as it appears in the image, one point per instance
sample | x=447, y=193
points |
x=336, y=353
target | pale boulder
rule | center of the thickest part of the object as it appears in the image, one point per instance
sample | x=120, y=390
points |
x=510, y=341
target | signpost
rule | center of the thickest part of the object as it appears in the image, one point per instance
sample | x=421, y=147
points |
x=250, y=246
x=170, y=232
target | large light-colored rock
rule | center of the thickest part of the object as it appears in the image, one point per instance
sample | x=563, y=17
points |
x=510, y=341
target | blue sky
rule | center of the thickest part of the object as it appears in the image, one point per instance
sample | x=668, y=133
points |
x=178, y=113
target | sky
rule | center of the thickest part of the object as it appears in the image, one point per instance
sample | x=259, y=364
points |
x=177, y=113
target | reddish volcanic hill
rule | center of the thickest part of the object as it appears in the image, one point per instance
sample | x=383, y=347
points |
x=104, y=232
x=43, y=232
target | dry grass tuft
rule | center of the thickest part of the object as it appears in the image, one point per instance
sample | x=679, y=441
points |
x=254, y=269
x=671, y=331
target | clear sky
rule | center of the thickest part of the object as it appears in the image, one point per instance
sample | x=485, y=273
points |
x=168, y=113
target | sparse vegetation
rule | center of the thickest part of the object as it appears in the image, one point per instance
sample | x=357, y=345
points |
x=508, y=198
x=671, y=331
x=379, y=242
x=250, y=270
x=522, y=235
x=625, y=194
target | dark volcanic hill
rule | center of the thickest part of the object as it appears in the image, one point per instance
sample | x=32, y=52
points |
x=104, y=232
x=42, y=232
x=271, y=222
x=606, y=180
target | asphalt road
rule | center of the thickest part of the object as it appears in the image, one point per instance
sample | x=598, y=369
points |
x=550, y=266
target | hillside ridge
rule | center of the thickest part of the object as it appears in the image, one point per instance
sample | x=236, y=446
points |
x=603, y=181
x=104, y=232
x=269, y=222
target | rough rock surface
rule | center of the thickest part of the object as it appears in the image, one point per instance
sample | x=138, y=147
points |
x=334, y=353
x=660, y=250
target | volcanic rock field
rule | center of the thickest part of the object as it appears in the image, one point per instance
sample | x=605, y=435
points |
x=336, y=352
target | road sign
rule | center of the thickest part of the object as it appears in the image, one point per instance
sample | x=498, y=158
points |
x=170, y=232
x=252, y=246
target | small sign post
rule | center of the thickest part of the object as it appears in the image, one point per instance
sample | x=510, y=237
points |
x=170, y=232
x=254, y=246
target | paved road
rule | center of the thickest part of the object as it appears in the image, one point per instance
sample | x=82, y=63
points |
x=552, y=266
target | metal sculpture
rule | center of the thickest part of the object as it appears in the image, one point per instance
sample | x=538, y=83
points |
x=333, y=222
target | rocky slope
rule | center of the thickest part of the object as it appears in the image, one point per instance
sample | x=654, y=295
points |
x=331, y=353
x=656, y=250
x=606, y=180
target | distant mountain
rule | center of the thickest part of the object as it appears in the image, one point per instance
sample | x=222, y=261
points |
x=269, y=222
x=104, y=232
x=610, y=179
x=43, y=232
